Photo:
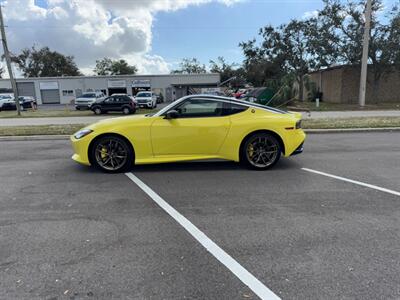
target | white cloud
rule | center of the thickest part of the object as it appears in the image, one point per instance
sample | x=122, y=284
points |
x=310, y=14
x=93, y=29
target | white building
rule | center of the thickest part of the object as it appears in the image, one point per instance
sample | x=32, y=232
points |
x=49, y=90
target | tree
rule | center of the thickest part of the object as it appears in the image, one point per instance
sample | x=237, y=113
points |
x=45, y=63
x=228, y=71
x=190, y=66
x=345, y=22
x=333, y=37
x=107, y=66
x=284, y=49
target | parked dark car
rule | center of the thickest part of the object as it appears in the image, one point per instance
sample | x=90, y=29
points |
x=24, y=102
x=116, y=102
x=27, y=102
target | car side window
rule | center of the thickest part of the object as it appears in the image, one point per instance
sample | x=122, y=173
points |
x=200, y=108
x=234, y=108
x=109, y=100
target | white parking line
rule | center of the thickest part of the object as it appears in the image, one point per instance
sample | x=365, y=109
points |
x=245, y=276
x=371, y=186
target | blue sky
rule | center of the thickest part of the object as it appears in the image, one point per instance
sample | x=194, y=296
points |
x=154, y=35
x=213, y=30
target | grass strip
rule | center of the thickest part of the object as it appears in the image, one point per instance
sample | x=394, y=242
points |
x=61, y=113
x=40, y=130
x=343, y=123
x=337, y=123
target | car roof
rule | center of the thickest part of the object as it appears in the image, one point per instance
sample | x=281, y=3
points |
x=231, y=100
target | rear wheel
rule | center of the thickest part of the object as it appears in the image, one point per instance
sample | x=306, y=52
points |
x=260, y=151
x=126, y=110
x=111, y=154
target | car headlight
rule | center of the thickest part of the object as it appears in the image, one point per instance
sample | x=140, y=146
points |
x=81, y=133
x=298, y=124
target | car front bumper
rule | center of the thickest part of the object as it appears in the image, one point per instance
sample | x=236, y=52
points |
x=145, y=104
x=80, y=148
x=81, y=105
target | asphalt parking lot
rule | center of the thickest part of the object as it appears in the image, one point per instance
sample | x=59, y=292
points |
x=69, y=232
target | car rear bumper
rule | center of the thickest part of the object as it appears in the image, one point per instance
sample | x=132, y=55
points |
x=298, y=150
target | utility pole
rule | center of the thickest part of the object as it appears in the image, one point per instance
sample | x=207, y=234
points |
x=364, y=60
x=8, y=61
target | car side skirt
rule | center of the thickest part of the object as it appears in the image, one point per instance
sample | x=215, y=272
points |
x=174, y=158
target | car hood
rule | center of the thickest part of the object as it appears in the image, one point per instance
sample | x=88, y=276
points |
x=116, y=122
x=86, y=99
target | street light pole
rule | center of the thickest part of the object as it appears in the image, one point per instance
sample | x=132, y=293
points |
x=8, y=61
x=364, y=60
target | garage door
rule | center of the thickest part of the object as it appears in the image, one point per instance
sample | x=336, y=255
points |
x=26, y=89
x=50, y=96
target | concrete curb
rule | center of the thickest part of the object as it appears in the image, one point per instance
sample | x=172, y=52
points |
x=317, y=131
x=352, y=130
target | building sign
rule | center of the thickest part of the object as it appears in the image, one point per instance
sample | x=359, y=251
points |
x=48, y=85
x=117, y=84
x=210, y=90
x=141, y=83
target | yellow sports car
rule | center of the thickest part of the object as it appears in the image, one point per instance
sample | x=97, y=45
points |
x=192, y=128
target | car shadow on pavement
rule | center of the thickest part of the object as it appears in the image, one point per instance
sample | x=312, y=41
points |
x=217, y=165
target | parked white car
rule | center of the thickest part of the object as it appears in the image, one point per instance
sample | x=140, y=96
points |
x=87, y=99
x=6, y=98
x=146, y=99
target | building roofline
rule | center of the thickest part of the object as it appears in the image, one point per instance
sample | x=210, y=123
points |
x=115, y=76
x=346, y=66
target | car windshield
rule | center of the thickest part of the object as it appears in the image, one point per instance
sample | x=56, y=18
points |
x=144, y=95
x=91, y=95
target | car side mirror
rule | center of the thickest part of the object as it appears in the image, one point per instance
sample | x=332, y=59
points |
x=172, y=114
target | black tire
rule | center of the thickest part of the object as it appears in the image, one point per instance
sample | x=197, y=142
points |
x=111, y=154
x=97, y=110
x=77, y=108
x=260, y=151
x=126, y=110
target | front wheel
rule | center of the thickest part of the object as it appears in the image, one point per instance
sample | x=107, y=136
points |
x=111, y=154
x=97, y=110
x=260, y=151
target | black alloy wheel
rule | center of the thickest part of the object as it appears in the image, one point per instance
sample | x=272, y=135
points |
x=260, y=151
x=112, y=154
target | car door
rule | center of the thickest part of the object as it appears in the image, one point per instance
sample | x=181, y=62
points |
x=199, y=129
x=110, y=104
